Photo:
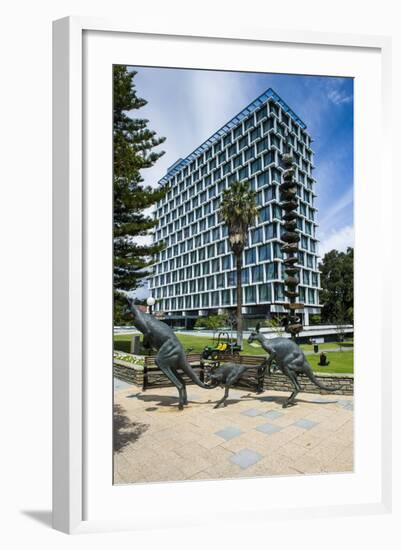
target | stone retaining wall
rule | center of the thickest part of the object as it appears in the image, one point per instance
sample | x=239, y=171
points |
x=128, y=373
x=280, y=382
x=276, y=382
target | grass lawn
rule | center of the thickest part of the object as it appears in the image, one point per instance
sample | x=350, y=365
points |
x=340, y=362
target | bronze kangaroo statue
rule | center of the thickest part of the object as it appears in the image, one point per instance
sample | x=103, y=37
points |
x=290, y=359
x=171, y=355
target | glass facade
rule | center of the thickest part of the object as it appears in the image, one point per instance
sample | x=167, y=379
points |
x=196, y=270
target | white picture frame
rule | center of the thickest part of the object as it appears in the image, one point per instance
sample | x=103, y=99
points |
x=71, y=336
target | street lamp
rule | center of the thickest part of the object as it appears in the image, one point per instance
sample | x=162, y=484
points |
x=151, y=302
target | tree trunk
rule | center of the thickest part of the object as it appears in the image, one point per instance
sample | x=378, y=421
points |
x=239, y=300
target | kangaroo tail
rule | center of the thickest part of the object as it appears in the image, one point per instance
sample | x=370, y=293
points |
x=317, y=382
x=194, y=377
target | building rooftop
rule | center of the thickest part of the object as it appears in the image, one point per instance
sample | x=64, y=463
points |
x=269, y=93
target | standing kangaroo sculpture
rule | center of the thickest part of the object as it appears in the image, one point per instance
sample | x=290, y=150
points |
x=171, y=355
x=290, y=359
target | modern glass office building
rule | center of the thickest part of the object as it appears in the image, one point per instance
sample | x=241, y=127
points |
x=195, y=274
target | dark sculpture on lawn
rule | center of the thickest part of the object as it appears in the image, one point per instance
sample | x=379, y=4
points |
x=228, y=375
x=171, y=355
x=291, y=361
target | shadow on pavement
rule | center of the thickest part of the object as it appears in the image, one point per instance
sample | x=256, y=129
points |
x=125, y=431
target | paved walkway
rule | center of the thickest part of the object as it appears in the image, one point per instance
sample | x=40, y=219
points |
x=252, y=436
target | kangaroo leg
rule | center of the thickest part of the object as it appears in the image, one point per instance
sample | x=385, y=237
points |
x=163, y=361
x=231, y=380
x=222, y=400
x=297, y=388
x=184, y=390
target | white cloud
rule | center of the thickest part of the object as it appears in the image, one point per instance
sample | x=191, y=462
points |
x=343, y=202
x=336, y=93
x=339, y=240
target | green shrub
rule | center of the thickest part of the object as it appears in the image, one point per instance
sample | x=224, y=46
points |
x=212, y=322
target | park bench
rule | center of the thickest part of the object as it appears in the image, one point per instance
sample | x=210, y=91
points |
x=252, y=380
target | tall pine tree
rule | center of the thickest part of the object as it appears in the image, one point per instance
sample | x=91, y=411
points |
x=133, y=144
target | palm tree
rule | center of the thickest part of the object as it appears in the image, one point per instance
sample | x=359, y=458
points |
x=238, y=210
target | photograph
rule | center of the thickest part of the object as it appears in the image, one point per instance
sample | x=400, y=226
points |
x=233, y=274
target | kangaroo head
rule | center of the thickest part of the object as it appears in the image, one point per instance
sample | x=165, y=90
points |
x=255, y=335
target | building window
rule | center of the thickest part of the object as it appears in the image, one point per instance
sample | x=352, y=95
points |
x=210, y=251
x=277, y=253
x=237, y=132
x=227, y=140
x=279, y=292
x=237, y=161
x=205, y=300
x=256, y=165
x=250, y=256
x=195, y=300
x=232, y=278
x=216, y=233
x=265, y=293
x=221, y=186
x=221, y=247
x=271, y=231
x=264, y=252
x=206, y=268
x=245, y=276
x=220, y=280
x=231, y=179
x=210, y=283
x=249, y=153
x=257, y=235
x=215, y=298
x=262, y=145
x=271, y=271
x=225, y=297
x=248, y=123
x=262, y=113
x=226, y=168
x=255, y=133
x=267, y=125
x=250, y=294
x=232, y=149
x=243, y=173
x=257, y=274
x=264, y=214
x=243, y=142
x=315, y=280
x=226, y=262
x=216, y=265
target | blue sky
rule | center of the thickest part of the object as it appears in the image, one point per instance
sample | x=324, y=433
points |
x=187, y=106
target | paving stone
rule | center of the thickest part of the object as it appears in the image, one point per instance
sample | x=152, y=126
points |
x=268, y=428
x=261, y=439
x=305, y=423
x=252, y=412
x=272, y=414
x=229, y=432
x=245, y=458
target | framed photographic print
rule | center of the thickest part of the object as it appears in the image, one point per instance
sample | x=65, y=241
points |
x=217, y=198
